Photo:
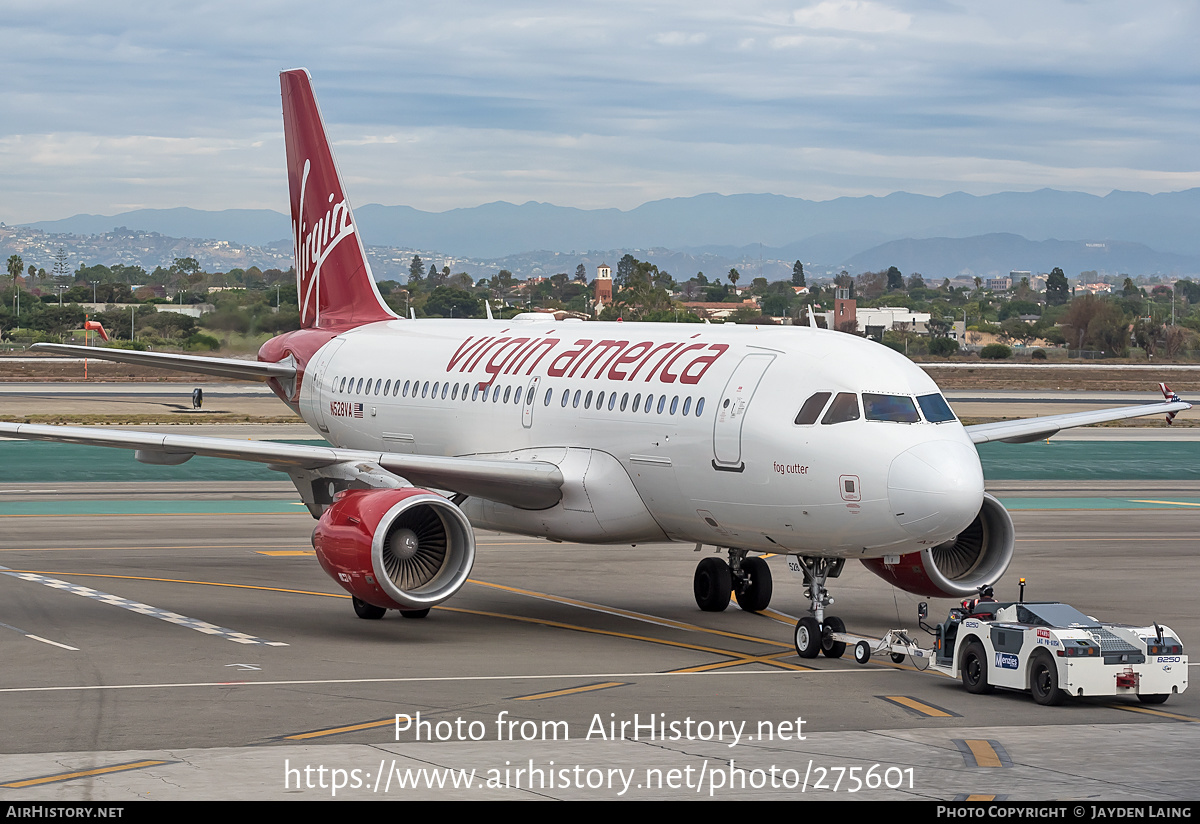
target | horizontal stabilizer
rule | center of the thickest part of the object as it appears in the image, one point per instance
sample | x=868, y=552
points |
x=243, y=370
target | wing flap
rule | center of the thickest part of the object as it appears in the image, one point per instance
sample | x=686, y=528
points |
x=221, y=367
x=1036, y=429
x=525, y=484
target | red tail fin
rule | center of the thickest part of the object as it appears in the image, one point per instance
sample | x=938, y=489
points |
x=333, y=279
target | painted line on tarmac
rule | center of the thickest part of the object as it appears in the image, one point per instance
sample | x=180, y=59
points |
x=433, y=679
x=918, y=707
x=542, y=696
x=368, y=725
x=180, y=581
x=977, y=752
x=1171, y=503
x=141, y=609
x=30, y=635
x=1156, y=713
x=70, y=776
x=624, y=613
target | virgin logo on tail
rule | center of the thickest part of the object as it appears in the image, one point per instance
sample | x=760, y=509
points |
x=313, y=245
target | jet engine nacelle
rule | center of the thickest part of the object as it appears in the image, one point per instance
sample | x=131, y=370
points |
x=957, y=568
x=403, y=549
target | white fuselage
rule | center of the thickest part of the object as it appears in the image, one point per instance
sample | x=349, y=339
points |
x=679, y=431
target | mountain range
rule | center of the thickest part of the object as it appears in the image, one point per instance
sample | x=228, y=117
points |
x=1130, y=232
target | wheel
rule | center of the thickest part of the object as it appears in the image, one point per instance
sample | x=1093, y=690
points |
x=755, y=596
x=712, y=585
x=808, y=637
x=974, y=669
x=897, y=657
x=832, y=648
x=1043, y=680
x=369, y=611
x=1153, y=698
x=414, y=613
x=862, y=652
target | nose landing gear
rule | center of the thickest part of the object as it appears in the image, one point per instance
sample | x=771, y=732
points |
x=814, y=633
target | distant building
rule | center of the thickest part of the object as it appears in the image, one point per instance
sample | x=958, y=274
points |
x=604, y=286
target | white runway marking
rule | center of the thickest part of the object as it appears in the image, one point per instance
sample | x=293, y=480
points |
x=38, y=637
x=140, y=608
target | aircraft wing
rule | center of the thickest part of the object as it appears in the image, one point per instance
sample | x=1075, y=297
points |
x=1036, y=429
x=525, y=484
x=221, y=367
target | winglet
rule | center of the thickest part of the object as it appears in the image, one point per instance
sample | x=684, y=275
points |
x=333, y=278
x=1171, y=398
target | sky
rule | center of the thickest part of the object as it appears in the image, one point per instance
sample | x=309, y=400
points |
x=110, y=107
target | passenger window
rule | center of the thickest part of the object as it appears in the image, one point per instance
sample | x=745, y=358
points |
x=844, y=408
x=445, y=389
x=396, y=388
x=674, y=404
x=812, y=408
x=624, y=400
x=699, y=407
x=649, y=403
x=687, y=405
x=566, y=397
x=358, y=389
x=612, y=401
x=662, y=403
x=454, y=393
x=343, y=389
x=496, y=394
x=587, y=401
x=575, y=405
x=406, y=384
x=600, y=400
x=517, y=397
x=637, y=401
x=549, y=394
x=507, y=393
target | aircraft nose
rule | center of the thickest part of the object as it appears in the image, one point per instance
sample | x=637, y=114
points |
x=936, y=489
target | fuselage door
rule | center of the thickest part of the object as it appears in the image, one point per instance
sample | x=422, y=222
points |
x=315, y=377
x=731, y=411
x=527, y=410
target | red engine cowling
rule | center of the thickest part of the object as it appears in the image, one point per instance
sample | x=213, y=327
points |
x=396, y=548
x=955, y=569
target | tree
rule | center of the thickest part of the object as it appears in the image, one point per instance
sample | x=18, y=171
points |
x=581, y=272
x=798, y=274
x=916, y=281
x=448, y=302
x=734, y=276
x=895, y=280
x=1129, y=288
x=416, y=271
x=625, y=267
x=15, y=267
x=1058, y=291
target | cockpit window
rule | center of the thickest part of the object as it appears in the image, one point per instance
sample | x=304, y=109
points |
x=812, y=408
x=844, y=408
x=935, y=408
x=894, y=408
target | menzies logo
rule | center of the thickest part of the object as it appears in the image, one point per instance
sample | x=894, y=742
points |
x=1006, y=660
x=314, y=243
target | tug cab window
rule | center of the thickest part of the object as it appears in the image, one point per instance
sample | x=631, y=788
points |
x=844, y=408
x=894, y=408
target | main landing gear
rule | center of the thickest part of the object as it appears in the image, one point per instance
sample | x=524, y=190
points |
x=814, y=633
x=716, y=580
x=371, y=612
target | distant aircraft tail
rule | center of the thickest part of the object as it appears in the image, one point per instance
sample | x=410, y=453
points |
x=334, y=283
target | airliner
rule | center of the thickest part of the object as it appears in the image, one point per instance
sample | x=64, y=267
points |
x=757, y=441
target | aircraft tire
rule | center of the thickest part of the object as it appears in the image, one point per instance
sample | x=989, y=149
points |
x=368, y=611
x=414, y=613
x=832, y=648
x=756, y=596
x=862, y=652
x=712, y=585
x=1153, y=698
x=974, y=670
x=808, y=637
x=1043, y=680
